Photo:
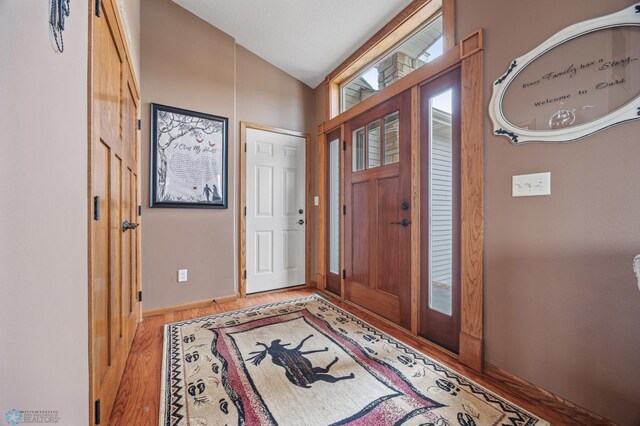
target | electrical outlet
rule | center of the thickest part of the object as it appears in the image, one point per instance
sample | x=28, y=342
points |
x=182, y=275
x=531, y=185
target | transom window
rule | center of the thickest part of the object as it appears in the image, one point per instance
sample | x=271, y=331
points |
x=424, y=45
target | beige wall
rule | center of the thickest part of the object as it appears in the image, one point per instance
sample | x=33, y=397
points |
x=43, y=213
x=187, y=63
x=562, y=306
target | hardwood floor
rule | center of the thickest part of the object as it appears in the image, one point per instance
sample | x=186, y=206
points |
x=138, y=398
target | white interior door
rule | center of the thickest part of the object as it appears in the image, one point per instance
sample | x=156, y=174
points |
x=276, y=216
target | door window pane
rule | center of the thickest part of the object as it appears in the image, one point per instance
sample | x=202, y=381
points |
x=358, y=149
x=373, y=144
x=392, y=138
x=440, y=203
x=334, y=206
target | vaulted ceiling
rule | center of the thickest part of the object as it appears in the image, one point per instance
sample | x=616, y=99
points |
x=305, y=38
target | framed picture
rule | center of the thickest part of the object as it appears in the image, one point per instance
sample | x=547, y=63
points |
x=188, y=158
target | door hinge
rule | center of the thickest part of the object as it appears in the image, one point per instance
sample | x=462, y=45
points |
x=344, y=209
x=98, y=8
x=140, y=296
x=344, y=274
x=139, y=210
x=344, y=145
x=245, y=147
x=245, y=274
x=139, y=124
x=245, y=210
x=97, y=411
x=96, y=208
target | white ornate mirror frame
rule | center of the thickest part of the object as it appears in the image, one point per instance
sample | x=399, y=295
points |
x=629, y=111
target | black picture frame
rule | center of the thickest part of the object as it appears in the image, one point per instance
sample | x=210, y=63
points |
x=185, y=159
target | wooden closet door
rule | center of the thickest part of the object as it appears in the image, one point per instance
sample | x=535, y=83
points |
x=377, y=189
x=115, y=196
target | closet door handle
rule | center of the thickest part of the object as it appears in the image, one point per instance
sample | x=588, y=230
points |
x=126, y=225
x=403, y=222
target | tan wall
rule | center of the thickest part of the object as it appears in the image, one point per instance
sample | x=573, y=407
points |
x=43, y=213
x=562, y=306
x=187, y=63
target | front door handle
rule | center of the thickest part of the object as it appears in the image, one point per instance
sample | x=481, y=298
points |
x=403, y=222
x=301, y=222
x=126, y=225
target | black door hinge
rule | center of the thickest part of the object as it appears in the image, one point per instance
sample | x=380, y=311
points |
x=139, y=124
x=97, y=411
x=245, y=147
x=344, y=145
x=344, y=209
x=245, y=211
x=96, y=208
x=344, y=274
x=140, y=296
x=139, y=210
x=245, y=275
x=98, y=8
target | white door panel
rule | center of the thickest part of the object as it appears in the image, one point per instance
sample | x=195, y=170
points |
x=275, y=243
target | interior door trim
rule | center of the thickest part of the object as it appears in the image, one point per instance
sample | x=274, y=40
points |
x=242, y=263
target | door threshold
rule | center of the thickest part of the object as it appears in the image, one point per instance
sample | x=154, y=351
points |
x=278, y=290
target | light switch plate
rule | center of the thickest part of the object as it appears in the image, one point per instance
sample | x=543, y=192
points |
x=531, y=185
x=316, y=201
x=182, y=275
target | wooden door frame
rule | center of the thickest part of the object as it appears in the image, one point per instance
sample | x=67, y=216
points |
x=111, y=4
x=242, y=263
x=468, y=55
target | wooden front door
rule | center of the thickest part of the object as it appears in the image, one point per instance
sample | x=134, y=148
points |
x=377, y=188
x=115, y=196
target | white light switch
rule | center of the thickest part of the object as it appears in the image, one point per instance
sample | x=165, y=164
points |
x=316, y=200
x=531, y=185
x=182, y=275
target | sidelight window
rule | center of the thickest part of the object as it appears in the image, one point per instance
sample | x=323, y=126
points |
x=441, y=203
x=334, y=206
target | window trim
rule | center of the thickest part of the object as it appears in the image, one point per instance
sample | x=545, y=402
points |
x=409, y=20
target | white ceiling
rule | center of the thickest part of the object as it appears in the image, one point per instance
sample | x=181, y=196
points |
x=305, y=38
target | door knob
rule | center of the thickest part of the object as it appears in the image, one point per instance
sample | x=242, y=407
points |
x=126, y=225
x=300, y=211
x=404, y=206
x=301, y=222
x=403, y=222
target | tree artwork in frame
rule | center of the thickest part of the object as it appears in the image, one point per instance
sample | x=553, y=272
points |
x=188, y=158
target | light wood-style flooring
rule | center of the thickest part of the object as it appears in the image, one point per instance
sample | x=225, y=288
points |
x=137, y=402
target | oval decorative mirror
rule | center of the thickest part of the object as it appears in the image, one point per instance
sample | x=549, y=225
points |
x=580, y=81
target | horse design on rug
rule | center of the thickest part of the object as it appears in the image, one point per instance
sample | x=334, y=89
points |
x=298, y=369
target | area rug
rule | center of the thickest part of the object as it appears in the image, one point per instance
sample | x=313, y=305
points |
x=307, y=362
